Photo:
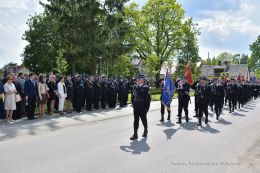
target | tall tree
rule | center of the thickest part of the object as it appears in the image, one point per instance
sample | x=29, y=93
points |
x=41, y=52
x=62, y=64
x=189, y=52
x=254, y=60
x=156, y=31
x=88, y=30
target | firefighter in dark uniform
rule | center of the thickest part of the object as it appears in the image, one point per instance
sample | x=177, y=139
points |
x=132, y=85
x=97, y=92
x=125, y=96
x=240, y=94
x=111, y=93
x=218, y=96
x=203, y=100
x=162, y=105
x=141, y=105
x=122, y=90
x=79, y=94
x=89, y=94
x=231, y=95
x=195, y=86
x=104, y=92
x=183, y=89
x=211, y=99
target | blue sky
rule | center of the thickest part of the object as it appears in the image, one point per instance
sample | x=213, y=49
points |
x=226, y=25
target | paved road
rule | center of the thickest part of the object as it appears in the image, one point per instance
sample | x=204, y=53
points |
x=100, y=143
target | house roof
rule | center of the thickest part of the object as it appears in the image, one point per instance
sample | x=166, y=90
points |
x=234, y=69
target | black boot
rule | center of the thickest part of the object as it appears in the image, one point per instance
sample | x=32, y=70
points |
x=134, y=137
x=179, y=120
x=145, y=133
x=162, y=118
x=187, y=118
x=199, y=124
x=169, y=117
x=217, y=117
x=206, y=120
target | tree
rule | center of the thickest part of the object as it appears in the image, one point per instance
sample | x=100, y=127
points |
x=257, y=73
x=244, y=59
x=62, y=64
x=225, y=56
x=40, y=54
x=84, y=29
x=88, y=30
x=189, y=52
x=1, y=72
x=156, y=31
x=254, y=60
x=123, y=67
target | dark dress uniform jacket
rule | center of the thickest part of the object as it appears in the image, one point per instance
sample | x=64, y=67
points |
x=142, y=98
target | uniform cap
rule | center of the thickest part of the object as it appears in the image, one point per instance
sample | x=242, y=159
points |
x=140, y=76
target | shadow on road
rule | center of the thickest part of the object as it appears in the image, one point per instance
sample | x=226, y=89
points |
x=136, y=147
x=170, y=132
x=242, y=110
x=238, y=114
x=189, y=126
x=209, y=129
x=222, y=121
x=166, y=124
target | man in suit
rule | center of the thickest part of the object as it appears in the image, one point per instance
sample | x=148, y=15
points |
x=30, y=89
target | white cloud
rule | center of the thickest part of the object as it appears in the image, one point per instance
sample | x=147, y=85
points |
x=229, y=30
x=15, y=5
x=225, y=22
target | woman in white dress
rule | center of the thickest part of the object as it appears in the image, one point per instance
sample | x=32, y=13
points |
x=62, y=93
x=10, y=103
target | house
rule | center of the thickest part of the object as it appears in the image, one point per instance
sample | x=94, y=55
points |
x=13, y=68
x=234, y=70
x=139, y=64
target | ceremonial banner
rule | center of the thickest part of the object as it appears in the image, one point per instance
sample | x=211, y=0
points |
x=168, y=91
x=188, y=74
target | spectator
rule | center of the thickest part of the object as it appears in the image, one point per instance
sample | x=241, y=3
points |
x=42, y=92
x=10, y=103
x=20, y=83
x=17, y=112
x=52, y=93
x=62, y=93
x=2, y=109
x=31, y=93
x=70, y=94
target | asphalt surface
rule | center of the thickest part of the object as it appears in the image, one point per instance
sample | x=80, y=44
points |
x=99, y=142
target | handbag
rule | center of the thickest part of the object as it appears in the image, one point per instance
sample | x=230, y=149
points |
x=18, y=98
